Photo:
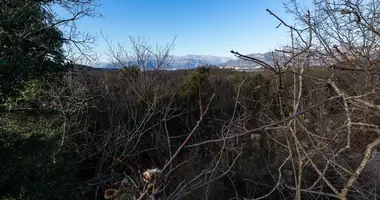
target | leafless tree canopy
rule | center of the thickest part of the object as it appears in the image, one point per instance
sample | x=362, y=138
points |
x=305, y=126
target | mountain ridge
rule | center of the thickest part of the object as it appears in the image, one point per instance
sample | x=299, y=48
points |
x=193, y=60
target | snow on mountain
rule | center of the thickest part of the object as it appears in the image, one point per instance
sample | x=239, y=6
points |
x=266, y=57
x=192, y=61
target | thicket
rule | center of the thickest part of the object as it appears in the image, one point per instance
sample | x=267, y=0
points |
x=302, y=127
x=104, y=132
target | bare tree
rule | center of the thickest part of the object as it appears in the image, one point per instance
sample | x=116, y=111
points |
x=342, y=38
x=313, y=137
x=79, y=44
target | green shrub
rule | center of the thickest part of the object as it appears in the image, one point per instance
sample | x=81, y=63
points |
x=195, y=81
x=28, y=97
x=31, y=167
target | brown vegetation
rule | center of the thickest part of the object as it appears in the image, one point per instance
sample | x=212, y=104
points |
x=288, y=131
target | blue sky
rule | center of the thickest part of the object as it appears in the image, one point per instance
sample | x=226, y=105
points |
x=205, y=27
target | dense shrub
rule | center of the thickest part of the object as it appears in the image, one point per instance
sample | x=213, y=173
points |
x=104, y=129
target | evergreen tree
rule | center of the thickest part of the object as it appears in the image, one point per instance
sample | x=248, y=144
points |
x=30, y=45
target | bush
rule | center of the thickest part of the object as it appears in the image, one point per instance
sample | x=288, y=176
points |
x=194, y=82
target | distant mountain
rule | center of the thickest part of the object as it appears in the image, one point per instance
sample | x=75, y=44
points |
x=266, y=57
x=192, y=61
x=102, y=65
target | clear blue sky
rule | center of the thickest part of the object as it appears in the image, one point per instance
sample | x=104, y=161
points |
x=206, y=27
